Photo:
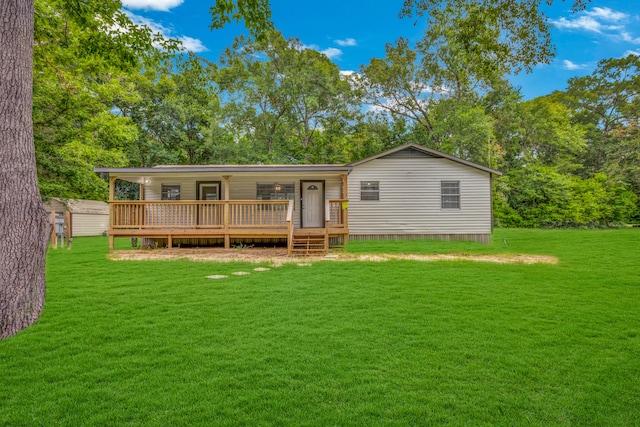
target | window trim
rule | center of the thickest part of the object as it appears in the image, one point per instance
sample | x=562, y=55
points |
x=289, y=195
x=453, y=197
x=199, y=184
x=164, y=190
x=372, y=194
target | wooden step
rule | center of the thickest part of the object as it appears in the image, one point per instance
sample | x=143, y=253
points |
x=310, y=244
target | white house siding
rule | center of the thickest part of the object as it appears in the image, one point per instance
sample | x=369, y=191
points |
x=410, y=199
x=243, y=186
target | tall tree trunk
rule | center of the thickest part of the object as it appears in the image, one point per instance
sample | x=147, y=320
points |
x=24, y=225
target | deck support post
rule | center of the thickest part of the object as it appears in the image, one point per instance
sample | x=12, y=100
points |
x=345, y=209
x=112, y=187
x=227, y=240
x=326, y=236
x=345, y=186
x=112, y=196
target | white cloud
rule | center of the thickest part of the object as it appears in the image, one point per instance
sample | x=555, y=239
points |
x=607, y=14
x=153, y=26
x=346, y=42
x=161, y=5
x=568, y=65
x=631, y=52
x=188, y=43
x=585, y=23
x=193, y=45
x=347, y=72
x=332, y=52
x=629, y=38
x=601, y=20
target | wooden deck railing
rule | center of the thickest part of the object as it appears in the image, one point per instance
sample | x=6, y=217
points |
x=220, y=219
x=185, y=214
x=336, y=213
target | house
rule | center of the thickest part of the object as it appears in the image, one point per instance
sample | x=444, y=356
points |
x=407, y=192
x=87, y=217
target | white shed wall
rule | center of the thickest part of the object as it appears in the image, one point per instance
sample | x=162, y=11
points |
x=89, y=224
x=88, y=217
x=410, y=199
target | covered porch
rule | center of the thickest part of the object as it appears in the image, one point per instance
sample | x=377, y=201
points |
x=303, y=206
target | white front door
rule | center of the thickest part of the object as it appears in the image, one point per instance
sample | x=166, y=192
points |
x=312, y=204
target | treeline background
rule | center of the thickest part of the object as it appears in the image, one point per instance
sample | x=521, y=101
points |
x=108, y=93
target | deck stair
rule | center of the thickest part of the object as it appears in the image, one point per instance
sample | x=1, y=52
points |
x=309, y=242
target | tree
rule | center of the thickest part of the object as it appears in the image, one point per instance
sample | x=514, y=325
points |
x=87, y=55
x=23, y=220
x=606, y=100
x=281, y=94
x=177, y=105
x=513, y=35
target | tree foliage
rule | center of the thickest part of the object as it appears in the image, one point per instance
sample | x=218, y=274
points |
x=110, y=97
x=281, y=95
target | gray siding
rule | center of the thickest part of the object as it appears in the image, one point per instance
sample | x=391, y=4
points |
x=243, y=187
x=410, y=199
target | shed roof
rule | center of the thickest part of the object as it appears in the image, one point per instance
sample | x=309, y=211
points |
x=76, y=206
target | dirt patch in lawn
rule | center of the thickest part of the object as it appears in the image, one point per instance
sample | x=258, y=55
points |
x=279, y=256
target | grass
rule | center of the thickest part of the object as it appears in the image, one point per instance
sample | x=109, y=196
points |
x=354, y=343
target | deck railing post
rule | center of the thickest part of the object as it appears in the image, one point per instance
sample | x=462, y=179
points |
x=227, y=194
x=289, y=220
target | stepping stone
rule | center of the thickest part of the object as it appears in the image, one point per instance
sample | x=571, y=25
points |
x=304, y=264
x=240, y=273
x=261, y=269
x=217, y=276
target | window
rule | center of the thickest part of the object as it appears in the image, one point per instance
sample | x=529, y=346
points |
x=369, y=190
x=275, y=191
x=450, y=192
x=170, y=192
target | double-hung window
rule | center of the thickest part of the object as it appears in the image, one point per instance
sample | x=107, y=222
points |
x=450, y=194
x=369, y=190
x=170, y=192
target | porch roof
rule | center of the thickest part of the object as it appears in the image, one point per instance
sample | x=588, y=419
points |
x=226, y=169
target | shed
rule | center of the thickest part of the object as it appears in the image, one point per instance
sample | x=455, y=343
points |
x=88, y=217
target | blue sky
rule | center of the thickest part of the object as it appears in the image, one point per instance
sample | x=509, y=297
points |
x=350, y=32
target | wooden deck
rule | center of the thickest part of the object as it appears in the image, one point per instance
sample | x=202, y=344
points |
x=226, y=219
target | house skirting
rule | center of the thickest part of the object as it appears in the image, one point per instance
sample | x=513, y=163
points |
x=481, y=238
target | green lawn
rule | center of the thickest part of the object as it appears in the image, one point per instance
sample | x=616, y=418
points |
x=339, y=343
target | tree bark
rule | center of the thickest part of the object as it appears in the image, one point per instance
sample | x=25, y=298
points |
x=24, y=224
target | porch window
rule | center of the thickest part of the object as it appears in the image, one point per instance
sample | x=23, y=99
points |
x=275, y=191
x=170, y=192
x=369, y=190
x=450, y=193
